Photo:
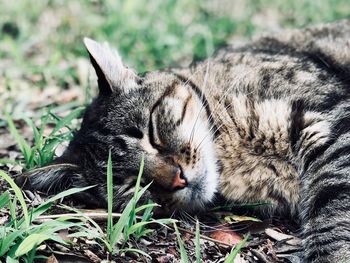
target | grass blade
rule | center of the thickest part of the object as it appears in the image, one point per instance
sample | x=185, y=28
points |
x=147, y=214
x=7, y=241
x=80, y=214
x=68, y=192
x=147, y=207
x=42, y=232
x=138, y=181
x=138, y=225
x=66, y=120
x=234, y=252
x=34, y=240
x=137, y=195
x=22, y=144
x=122, y=222
x=37, y=135
x=141, y=192
x=197, y=243
x=183, y=253
x=12, y=208
x=109, y=195
x=4, y=199
x=47, y=204
x=19, y=195
x=11, y=260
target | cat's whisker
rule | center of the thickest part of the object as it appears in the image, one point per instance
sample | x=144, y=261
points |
x=202, y=99
x=211, y=132
x=193, y=220
x=205, y=228
x=187, y=217
x=190, y=77
x=182, y=216
x=216, y=107
x=213, y=113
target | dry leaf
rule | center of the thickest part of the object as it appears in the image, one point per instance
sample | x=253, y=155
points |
x=239, y=259
x=235, y=219
x=165, y=258
x=294, y=241
x=92, y=256
x=227, y=236
x=64, y=234
x=51, y=259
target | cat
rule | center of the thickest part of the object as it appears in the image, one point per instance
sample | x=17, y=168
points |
x=266, y=120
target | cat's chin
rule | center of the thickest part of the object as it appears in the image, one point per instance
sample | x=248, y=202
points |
x=201, y=190
x=197, y=195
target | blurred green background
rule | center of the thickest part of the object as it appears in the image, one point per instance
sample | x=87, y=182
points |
x=41, y=45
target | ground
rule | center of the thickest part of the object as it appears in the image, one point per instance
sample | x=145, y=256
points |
x=45, y=75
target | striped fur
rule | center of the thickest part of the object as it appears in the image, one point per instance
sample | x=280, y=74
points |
x=268, y=120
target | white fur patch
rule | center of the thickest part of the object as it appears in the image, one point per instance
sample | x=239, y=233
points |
x=195, y=128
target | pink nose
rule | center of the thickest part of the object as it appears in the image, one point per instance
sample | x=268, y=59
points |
x=178, y=181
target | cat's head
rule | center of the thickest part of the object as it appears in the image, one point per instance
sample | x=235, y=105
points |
x=160, y=116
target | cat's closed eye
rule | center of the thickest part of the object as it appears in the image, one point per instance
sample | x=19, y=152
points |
x=134, y=132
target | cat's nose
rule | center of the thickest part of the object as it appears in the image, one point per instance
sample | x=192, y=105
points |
x=180, y=181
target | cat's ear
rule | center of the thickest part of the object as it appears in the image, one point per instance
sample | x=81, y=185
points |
x=112, y=75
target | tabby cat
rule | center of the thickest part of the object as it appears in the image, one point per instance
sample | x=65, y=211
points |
x=267, y=120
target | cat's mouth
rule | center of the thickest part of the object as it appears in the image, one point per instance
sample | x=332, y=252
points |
x=193, y=197
x=180, y=181
x=197, y=187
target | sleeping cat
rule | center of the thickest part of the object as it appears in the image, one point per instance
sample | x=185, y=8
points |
x=268, y=120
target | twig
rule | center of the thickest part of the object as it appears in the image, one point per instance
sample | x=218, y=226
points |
x=202, y=236
x=96, y=216
x=102, y=216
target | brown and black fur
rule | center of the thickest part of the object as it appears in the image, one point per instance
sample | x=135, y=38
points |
x=278, y=112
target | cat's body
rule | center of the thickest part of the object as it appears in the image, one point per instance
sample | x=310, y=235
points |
x=267, y=121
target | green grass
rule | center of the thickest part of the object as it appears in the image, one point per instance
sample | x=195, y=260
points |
x=183, y=252
x=45, y=39
x=197, y=243
x=41, y=47
x=20, y=237
x=235, y=250
x=129, y=223
x=43, y=150
x=184, y=255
